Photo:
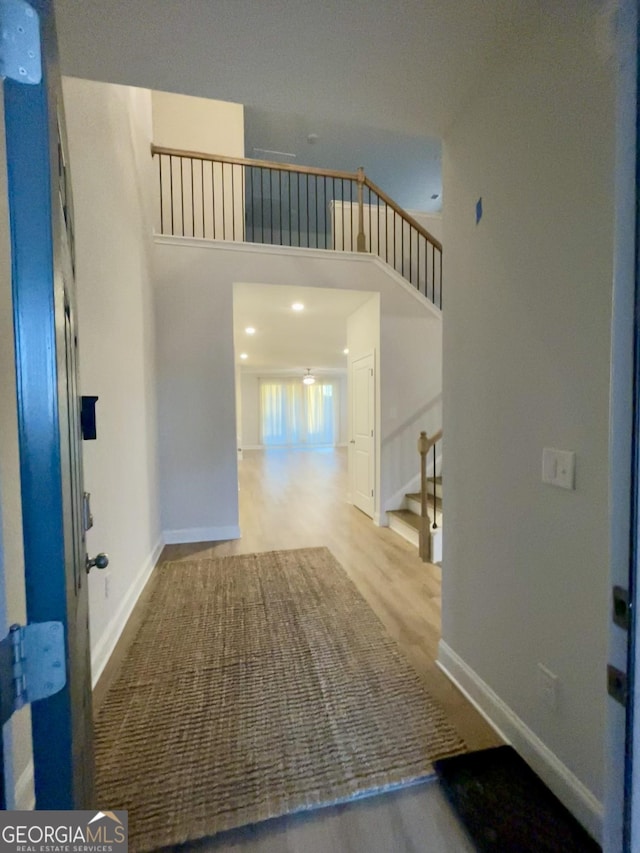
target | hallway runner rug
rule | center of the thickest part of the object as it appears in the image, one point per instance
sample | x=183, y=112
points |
x=257, y=686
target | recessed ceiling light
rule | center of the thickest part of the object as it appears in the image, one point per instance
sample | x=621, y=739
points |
x=243, y=355
x=346, y=350
x=250, y=330
x=297, y=306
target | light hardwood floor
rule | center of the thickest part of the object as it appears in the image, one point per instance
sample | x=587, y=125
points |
x=297, y=499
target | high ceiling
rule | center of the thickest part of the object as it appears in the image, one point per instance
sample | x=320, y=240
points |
x=406, y=166
x=314, y=337
x=399, y=65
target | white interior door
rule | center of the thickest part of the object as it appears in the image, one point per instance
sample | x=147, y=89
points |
x=362, y=457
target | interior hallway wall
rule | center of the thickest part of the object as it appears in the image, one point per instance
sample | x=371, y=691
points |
x=526, y=366
x=109, y=130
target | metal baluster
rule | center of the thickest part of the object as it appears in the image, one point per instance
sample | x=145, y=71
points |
x=202, y=196
x=161, y=198
x=171, y=187
x=271, y=206
x=213, y=200
x=342, y=205
x=193, y=209
x=224, y=206
x=369, y=206
x=433, y=274
x=261, y=204
x=233, y=203
x=440, y=253
x=253, y=207
x=351, y=216
x=280, y=201
x=435, y=491
x=324, y=198
x=298, y=191
x=395, y=256
x=424, y=537
x=289, y=191
x=243, y=174
x=411, y=255
x=308, y=217
x=182, y=192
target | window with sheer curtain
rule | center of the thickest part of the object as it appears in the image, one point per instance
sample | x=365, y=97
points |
x=293, y=414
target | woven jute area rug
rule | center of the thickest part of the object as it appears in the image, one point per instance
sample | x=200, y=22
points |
x=257, y=686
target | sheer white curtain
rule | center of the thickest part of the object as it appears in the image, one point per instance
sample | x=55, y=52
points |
x=295, y=414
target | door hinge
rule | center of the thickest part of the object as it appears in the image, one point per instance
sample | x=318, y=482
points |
x=32, y=665
x=621, y=607
x=87, y=515
x=617, y=684
x=371, y=492
x=20, y=42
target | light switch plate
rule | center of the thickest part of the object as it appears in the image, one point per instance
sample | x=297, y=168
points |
x=559, y=468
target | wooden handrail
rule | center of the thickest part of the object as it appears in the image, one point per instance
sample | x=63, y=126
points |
x=259, y=164
x=303, y=170
x=407, y=218
x=425, y=273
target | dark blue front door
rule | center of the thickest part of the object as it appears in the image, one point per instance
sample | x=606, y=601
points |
x=41, y=224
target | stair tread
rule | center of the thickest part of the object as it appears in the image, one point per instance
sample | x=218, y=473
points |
x=416, y=496
x=408, y=517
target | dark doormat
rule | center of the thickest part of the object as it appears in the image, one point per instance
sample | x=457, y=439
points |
x=505, y=807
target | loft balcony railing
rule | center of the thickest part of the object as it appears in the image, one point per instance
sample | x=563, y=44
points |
x=225, y=198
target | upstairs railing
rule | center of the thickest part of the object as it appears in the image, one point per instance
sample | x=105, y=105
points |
x=427, y=444
x=226, y=198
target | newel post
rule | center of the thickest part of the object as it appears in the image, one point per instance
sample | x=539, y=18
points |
x=424, y=547
x=362, y=242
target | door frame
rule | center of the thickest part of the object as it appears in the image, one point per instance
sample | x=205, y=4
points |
x=31, y=127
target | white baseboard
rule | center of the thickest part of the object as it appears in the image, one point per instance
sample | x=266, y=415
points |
x=564, y=784
x=201, y=534
x=104, y=647
x=25, y=798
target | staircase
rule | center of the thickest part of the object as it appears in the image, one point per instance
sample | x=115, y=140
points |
x=211, y=197
x=422, y=526
x=218, y=198
x=406, y=521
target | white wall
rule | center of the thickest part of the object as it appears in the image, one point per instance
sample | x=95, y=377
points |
x=109, y=130
x=526, y=365
x=249, y=404
x=622, y=373
x=198, y=124
x=196, y=388
x=194, y=283
x=208, y=198
x=17, y=732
